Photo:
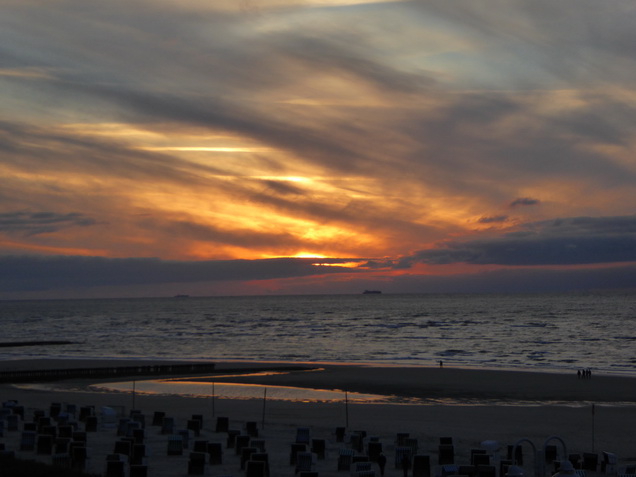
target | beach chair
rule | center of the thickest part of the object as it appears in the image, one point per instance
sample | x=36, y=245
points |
x=175, y=445
x=318, y=447
x=167, y=425
x=61, y=460
x=232, y=434
x=357, y=441
x=123, y=447
x=108, y=417
x=27, y=440
x=446, y=454
x=303, y=435
x=115, y=468
x=246, y=454
x=374, y=449
x=241, y=442
x=255, y=468
x=486, y=471
x=340, y=434
x=467, y=470
x=258, y=443
x=251, y=428
x=550, y=453
x=448, y=470
x=421, y=466
x=609, y=463
x=194, y=425
x=400, y=437
x=79, y=454
x=138, y=454
x=590, y=461
x=90, y=424
x=138, y=470
x=222, y=424
x=295, y=449
x=345, y=459
x=12, y=421
x=304, y=462
x=260, y=457
x=401, y=453
x=215, y=451
x=44, y=444
x=412, y=443
x=200, y=446
x=196, y=463
x=157, y=418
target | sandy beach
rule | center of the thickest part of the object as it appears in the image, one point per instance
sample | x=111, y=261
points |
x=502, y=406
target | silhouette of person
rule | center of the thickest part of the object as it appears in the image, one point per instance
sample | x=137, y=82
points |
x=406, y=464
x=441, y=363
x=381, y=463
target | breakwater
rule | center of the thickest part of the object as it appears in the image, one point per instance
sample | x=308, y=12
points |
x=25, y=376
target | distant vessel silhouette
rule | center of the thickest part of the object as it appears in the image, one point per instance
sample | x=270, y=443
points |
x=371, y=292
x=182, y=296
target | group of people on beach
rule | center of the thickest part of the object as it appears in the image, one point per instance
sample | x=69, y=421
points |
x=584, y=373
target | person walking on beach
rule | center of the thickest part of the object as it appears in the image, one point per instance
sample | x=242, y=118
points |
x=381, y=463
x=406, y=464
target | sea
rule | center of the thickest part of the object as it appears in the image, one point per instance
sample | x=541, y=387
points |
x=541, y=332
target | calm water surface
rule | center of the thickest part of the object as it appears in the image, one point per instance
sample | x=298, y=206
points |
x=555, y=332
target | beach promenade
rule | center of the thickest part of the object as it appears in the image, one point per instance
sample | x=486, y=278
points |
x=498, y=406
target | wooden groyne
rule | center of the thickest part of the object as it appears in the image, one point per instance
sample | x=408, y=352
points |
x=27, y=376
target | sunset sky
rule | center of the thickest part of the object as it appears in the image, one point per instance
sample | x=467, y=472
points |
x=156, y=147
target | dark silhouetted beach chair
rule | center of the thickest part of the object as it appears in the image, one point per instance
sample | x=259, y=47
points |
x=196, y=463
x=27, y=440
x=194, y=425
x=304, y=462
x=215, y=451
x=258, y=443
x=241, y=442
x=550, y=453
x=138, y=470
x=12, y=421
x=157, y=418
x=374, y=449
x=167, y=425
x=609, y=463
x=318, y=447
x=115, y=468
x=251, y=428
x=138, y=454
x=255, y=468
x=222, y=424
x=200, y=446
x=446, y=454
x=467, y=470
x=401, y=453
x=175, y=445
x=303, y=435
x=246, y=454
x=486, y=471
x=340, y=434
x=260, y=457
x=345, y=459
x=421, y=466
x=232, y=434
x=295, y=449
x=62, y=460
x=44, y=444
x=590, y=461
x=79, y=454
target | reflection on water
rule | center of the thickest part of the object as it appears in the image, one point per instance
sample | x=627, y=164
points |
x=237, y=391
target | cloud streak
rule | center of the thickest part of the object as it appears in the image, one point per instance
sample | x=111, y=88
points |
x=418, y=134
